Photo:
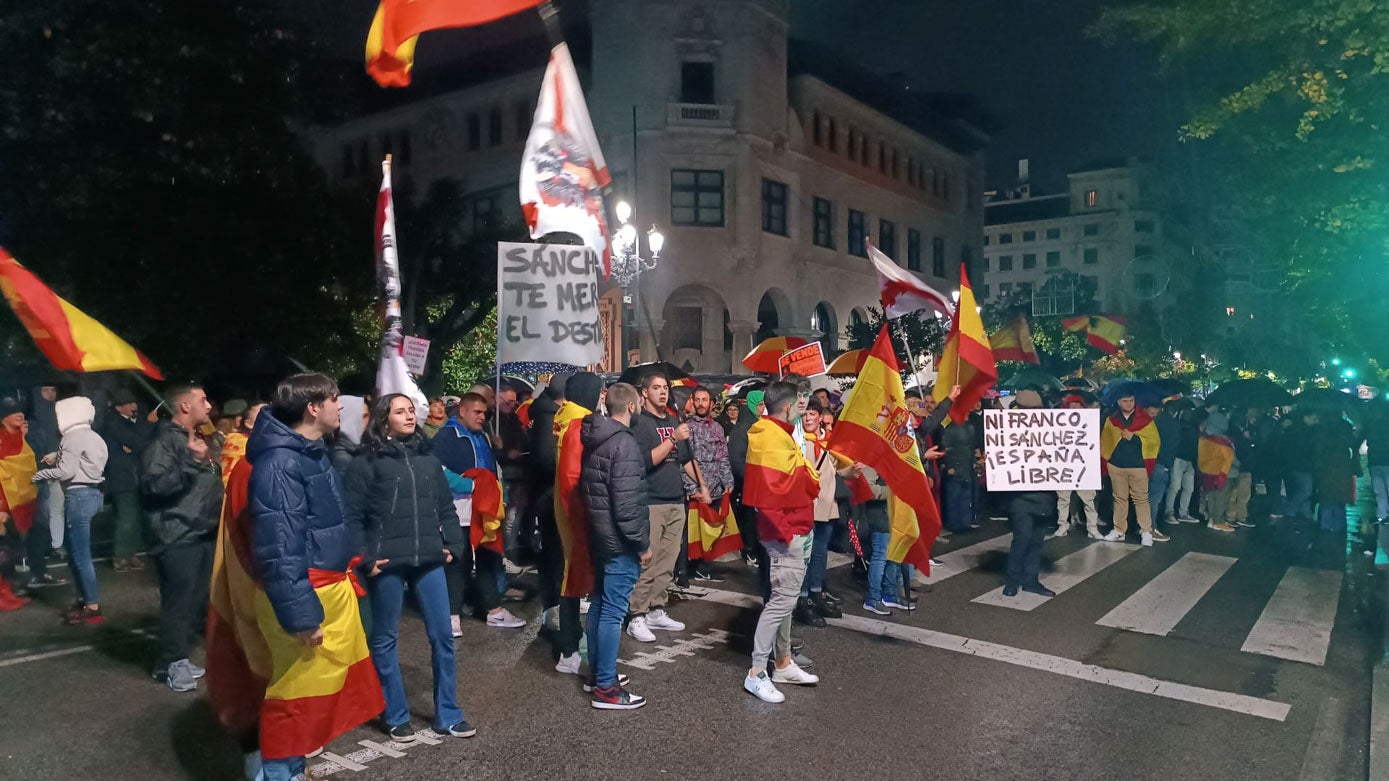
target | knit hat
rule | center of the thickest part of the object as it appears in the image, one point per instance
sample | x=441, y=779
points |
x=755, y=399
x=584, y=389
x=9, y=406
x=1028, y=399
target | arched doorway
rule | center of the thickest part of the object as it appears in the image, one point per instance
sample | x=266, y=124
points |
x=696, y=331
x=773, y=314
x=822, y=319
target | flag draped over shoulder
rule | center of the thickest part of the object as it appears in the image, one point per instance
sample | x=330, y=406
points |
x=902, y=292
x=1013, y=342
x=562, y=170
x=488, y=510
x=712, y=530
x=778, y=476
x=968, y=360
x=17, y=468
x=874, y=429
x=1214, y=457
x=398, y=23
x=1142, y=427
x=571, y=518
x=69, y=337
x=392, y=375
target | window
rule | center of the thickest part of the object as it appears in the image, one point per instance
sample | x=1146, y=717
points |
x=1092, y=256
x=938, y=256
x=486, y=214
x=856, y=234
x=1092, y=229
x=1142, y=251
x=1029, y=261
x=349, y=162
x=887, y=238
x=1053, y=233
x=1053, y=259
x=913, y=249
x=1029, y=235
x=896, y=165
x=494, y=127
x=816, y=134
x=1142, y=226
x=833, y=137
x=687, y=328
x=696, y=197
x=1005, y=238
x=774, y=207
x=983, y=292
x=697, y=82
x=824, y=223
x=474, y=132
x=1005, y=263
x=986, y=240
x=1004, y=288
x=911, y=171
x=882, y=158
x=525, y=114
x=987, y=263
x=1092, y=198
x=1056, y=297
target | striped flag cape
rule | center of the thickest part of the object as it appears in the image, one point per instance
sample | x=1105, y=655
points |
x=712, y=531
x=488, y=510
x=778, y=476
x=570, y=516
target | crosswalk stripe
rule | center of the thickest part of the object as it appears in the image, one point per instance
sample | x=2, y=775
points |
x=1296, y=622
x=968, y=558
x=1157, y=607
x=1070, y=571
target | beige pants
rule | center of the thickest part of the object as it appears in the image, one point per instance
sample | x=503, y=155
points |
x=1130, y=484
x=667, y=535
x=1087, y=500
x=1241, y=486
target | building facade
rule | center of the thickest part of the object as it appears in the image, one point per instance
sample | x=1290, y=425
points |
x=765, y=169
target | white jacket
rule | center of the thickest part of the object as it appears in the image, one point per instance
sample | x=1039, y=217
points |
x=82, y=452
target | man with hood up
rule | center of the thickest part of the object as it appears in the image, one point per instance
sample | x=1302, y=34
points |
x=583, y=392
x=541, y=442
x=80, y=469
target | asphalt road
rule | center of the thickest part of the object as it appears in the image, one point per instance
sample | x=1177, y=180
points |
x=1153, y=663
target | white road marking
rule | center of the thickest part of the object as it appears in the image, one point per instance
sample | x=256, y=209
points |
x=385, y=751
x=46, y=655
x=967, y=558
x=344, y=762
x=668, y=654
x=1160, y=605
x=1070, y=571
x=1296, y=622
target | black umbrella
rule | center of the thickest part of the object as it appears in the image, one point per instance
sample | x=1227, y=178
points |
x=1326, y=399
x=1171, y=387
x=1081, y=383
x=1246, y=394
x=633, y=374
x=1032, y=377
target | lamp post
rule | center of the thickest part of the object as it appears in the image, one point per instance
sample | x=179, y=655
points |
x=628, y=263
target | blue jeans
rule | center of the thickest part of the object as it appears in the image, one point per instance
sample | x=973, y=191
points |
x=1299, y=495
x=1157, y=492
x=607, y=607
x=387, y=594
x=282, y=769
x=1379, y=476
x=818, y=566
x=883, y=576
x=959, y=503
x=1332, y=516
x=81, y=504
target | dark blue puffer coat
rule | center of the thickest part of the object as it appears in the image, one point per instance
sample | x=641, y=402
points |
x=296, y=499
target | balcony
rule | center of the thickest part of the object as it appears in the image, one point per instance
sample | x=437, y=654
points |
x=699, y=115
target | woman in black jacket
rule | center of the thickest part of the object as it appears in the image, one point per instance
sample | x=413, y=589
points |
x=401, y=515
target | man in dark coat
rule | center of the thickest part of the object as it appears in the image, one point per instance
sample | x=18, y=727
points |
x=125, y=433
x=541, y=442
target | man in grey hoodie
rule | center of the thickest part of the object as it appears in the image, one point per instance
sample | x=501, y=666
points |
x=80, y=469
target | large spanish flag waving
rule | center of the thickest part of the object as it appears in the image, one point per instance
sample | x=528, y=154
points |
x=874, y=428
x=570, y=516
x=968, y=360
x=712, y=530
x=1013, y=342
x=70, y=338
x=488, y=510
x=398, y=23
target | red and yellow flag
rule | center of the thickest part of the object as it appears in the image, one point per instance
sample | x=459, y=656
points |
x=968, y=360
x=779, y=476
x=1013, y=342
x=70, y=338
x=1106, y=331
x=398, y=23
x=874, y=429
x=713, y=531
x=17, y=468
x=488, y=511
x=571, y=518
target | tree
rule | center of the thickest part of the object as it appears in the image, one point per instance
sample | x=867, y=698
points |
x=924, y=332
x=1059, y=350
x=1298, y=131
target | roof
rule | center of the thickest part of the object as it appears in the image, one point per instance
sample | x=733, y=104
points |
x=1047, y=207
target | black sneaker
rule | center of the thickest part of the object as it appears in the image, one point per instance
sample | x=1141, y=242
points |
x=402, y=733
x=622, y=680
x=460, y=730
x=682, y=582
x=616, y=698
x=1038, y=588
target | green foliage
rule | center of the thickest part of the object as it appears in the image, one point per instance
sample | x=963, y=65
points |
x=470, y=359
x=1060, y=351
x=924, y=332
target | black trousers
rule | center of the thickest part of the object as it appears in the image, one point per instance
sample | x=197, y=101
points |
x=481, y=587
x=1025, y=554
x=184, y=573
x=551, y=570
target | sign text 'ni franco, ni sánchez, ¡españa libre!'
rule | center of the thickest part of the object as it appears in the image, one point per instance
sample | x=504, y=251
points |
x=1042, y=449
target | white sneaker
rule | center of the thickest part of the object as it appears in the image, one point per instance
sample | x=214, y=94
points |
x=1062, y=530
x=456, y=624
x=569, y=664
x=1147, y=539
x=550, y=619
x=503, y=619
x=657, y=619
x=761, y=687
x=793, y=674
x=637, y=630
x=1093, y=533
x=583, y=606
x=1114, y=536
x=511, y=567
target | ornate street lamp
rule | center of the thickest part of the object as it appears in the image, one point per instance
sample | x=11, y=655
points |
x=628, y=263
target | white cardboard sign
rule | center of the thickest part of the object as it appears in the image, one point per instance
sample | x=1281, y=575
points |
x=1042, y=449
x=416, y=353
x=547, y=297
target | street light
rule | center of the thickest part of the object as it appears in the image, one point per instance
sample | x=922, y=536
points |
x=628, y=263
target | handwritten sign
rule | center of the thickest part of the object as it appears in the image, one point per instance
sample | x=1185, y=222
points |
x=1042, y=449
x=807, y=361
x=547, y=299
x=415, y=351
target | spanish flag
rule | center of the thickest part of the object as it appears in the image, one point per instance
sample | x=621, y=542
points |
x=398, y=23
x=18, y=497
x=1214, y=457
x=713, y=531
x=874, y=429
x=70, y=338
x=1106, y=331
x=968, y=361
x=488, y=510
x=1142, y=427
x=570, y=516
x=1013, y=342
x=778, y=476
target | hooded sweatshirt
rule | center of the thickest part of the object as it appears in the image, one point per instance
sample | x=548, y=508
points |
x=82, y=452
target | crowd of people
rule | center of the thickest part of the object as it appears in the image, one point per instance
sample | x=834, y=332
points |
x=618, y=495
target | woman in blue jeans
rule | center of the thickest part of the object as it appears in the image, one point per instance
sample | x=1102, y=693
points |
x=80, y=469
x=400, y=513
x=815, y=605
x=884, y=577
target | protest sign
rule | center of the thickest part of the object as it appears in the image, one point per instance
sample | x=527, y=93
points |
x=807, y=361
x=1042, y=449
x=416, y=353
x=547, y=299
